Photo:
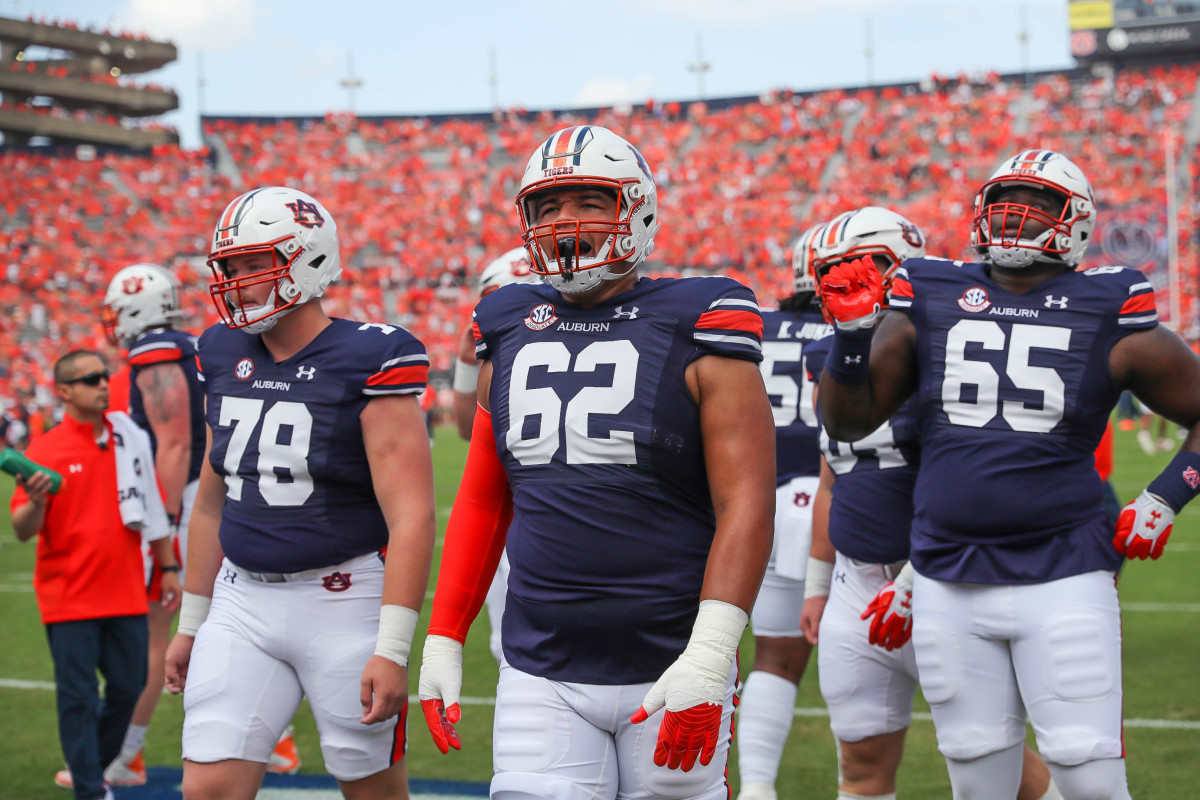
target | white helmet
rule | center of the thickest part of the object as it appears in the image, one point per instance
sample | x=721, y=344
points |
x=1066, y=235
x=140, y=297
x=512, y=267
x=803, y=277
x=589, y=156
x=301, y=238
x=868, y=231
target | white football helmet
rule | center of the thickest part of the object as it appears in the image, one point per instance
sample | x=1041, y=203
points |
x=299, y=235
x=588, y=156
x=1065, y=237
x=803, y=277
x=140, y=297
x=868, y=231
x=512, y=267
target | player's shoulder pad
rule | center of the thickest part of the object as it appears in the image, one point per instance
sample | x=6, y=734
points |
x=728, y=321
x=160, y=345
x=1129, y=290
x=394, y=359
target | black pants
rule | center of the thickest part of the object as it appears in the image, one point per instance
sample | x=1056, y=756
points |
x=92, y=729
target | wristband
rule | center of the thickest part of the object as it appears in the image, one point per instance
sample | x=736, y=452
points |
x=171, y=568
x=466, y=376
x=849, y=356
x=192, y=613
x=396, y=627
x=1176, y=485
x=818, y=577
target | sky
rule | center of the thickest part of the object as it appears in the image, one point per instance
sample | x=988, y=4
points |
x=289, y=57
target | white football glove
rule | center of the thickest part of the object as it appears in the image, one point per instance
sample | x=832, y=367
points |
x=1144, y=527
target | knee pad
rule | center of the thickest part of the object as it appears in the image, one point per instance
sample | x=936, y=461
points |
x=534, y=786
x=1103, y=779
x=995, y=776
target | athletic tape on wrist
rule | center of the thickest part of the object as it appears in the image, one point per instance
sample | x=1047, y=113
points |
x=818, y=577
x=193, y=610
x=396, y=627
x=466, y=376
x=1179, y=482
x=849, y=356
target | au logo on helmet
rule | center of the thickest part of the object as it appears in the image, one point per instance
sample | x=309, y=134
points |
x=132, y=284
x=306, y=213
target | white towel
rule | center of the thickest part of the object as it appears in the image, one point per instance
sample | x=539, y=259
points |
x=142, y=507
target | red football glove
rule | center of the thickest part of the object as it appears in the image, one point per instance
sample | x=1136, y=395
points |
x=852, y=294
x=693, y=689
x=686, y=735
x=891, y=627
x=1144, y=527
x=439, y=688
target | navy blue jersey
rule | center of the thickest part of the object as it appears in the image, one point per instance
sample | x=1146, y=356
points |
x=1015, y=392
x=600, y=439
x=287, y=439
x=871, y=514
x=163, y=346
x=787, y=335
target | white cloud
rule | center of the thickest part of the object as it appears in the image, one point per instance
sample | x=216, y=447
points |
x=201, y=24
x=612, y=91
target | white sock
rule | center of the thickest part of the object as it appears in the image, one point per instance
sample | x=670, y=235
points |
x=764, y=721
x=1052, y=793
x=847, y=796
x=135, y=738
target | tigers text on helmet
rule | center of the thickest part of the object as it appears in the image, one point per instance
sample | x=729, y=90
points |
x=297, y=234
x=512, y=267
x=1015, y=235
x=588, y=157
x=803, y=277
x=140, y=297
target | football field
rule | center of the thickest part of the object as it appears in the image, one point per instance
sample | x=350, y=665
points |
x=1161, y=622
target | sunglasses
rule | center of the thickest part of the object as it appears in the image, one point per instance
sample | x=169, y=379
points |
x=91, y=379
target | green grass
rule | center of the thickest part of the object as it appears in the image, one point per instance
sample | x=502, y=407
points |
x=1162, y=654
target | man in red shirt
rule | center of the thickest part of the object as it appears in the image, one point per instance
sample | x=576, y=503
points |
x=89, y=577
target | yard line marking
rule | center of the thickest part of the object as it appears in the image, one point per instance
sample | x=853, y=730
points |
x=1160, y=607
x=923, y=716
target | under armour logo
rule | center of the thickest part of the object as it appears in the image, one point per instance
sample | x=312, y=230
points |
x=229, y=576
x=1053, y=302
x=840, y=577
x=619, y=314
x=76, y=468
x=853, y=359
x=1152, y=523
x=306, y=372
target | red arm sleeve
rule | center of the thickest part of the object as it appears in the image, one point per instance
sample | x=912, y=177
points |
x=474, y=536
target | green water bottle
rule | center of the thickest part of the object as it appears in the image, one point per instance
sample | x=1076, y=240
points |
x=14, y=463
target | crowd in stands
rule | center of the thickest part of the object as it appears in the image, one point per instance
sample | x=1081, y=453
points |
x=54, y=70
x=421, y=205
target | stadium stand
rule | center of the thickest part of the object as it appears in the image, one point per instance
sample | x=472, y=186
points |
x=423, y=202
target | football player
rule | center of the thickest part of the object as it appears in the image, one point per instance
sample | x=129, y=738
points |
x=626, y=421
x=1015, y=363
x=868, y=672
x=141, y=309
x=780, y=650
x=512, y=267
x=318, y=463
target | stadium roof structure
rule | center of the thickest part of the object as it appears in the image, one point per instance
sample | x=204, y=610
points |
x=78, y=97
